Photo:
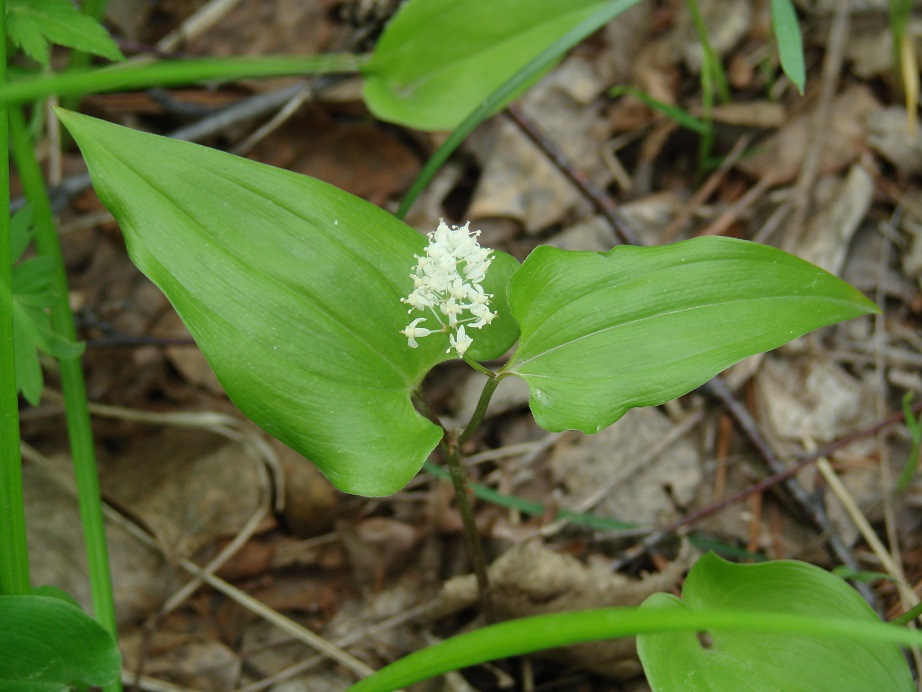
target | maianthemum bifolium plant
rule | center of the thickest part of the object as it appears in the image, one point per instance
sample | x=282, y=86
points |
x=321, y=314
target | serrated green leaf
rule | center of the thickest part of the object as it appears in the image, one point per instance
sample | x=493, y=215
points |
x=32, y=330
x=292, y=290
x=48, y=644
x=606, y=332
x=790, y=42
x=33, y=24
x=437, y=60
x=733, y=661
x=20, y=232
x=29, y=381
x=32, y=281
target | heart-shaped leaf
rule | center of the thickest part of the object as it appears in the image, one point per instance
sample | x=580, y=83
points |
x=606, y=332
x=292, y=290
x=48, y=644
x=730, y=661
x=437, y=60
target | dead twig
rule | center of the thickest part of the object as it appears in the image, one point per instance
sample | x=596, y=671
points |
x=602, y=202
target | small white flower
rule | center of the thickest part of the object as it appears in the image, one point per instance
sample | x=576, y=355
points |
x=459, y=342
x=412, y=332
x=446, y=285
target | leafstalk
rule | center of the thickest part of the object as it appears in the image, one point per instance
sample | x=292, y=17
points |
x=481, y=409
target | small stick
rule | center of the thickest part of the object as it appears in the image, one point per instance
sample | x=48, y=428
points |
x=602, y=202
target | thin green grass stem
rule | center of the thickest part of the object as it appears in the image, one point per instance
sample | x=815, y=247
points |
x=72, y=381
x=909, y=615
x=713, y=83
x=78, y=58
x=14, y=556
x=142, y=74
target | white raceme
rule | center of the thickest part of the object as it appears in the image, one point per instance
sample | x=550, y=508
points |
x=446, y=286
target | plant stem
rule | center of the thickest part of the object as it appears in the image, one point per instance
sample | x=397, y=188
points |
x=72, y=381
x=909, y=615
x=164, y=73
x=14, y=557
x=471, y=535
x=78, y=58
x=481, y=410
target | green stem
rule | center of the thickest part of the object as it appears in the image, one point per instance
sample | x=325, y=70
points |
x=78, y=58
x=144, y=75
x=909, y=615
x=14, y=557
x=471, y=534
x=477, y=418
x=76, y=409
x=713, y=81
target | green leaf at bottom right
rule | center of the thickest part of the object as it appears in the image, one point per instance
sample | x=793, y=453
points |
x=735, y=661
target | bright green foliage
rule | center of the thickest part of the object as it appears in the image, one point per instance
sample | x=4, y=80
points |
x=606, y=332
x=438, y=59
x=33, y=295
x=47, y=645
x=292, y=290
x=790, y=42
x=34, y=24
x=733, y=661
x=526, y=635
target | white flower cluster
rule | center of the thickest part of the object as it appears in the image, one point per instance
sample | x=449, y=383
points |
x=446, y=283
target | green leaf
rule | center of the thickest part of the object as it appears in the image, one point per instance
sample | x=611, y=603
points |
x=33, y=24
x=32, y=330
x=47, y=644
x=292, y=290
x=502, y=332
x=520, y=80
x=20, y=232
x=790, y=42
x=439, y=59
x=734, y=661
x=525, y=635
x=50, y=591
x=606, y=332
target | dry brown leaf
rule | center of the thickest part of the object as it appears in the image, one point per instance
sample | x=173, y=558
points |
x=141, y=579
x=841, y=207
x=186, y=491
x=781, y=155
x=532, y=579
x=645, y=493
x=561, y=105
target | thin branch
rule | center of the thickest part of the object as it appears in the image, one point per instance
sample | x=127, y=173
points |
x=601, y=200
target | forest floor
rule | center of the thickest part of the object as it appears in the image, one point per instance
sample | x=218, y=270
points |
x=831, y=175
